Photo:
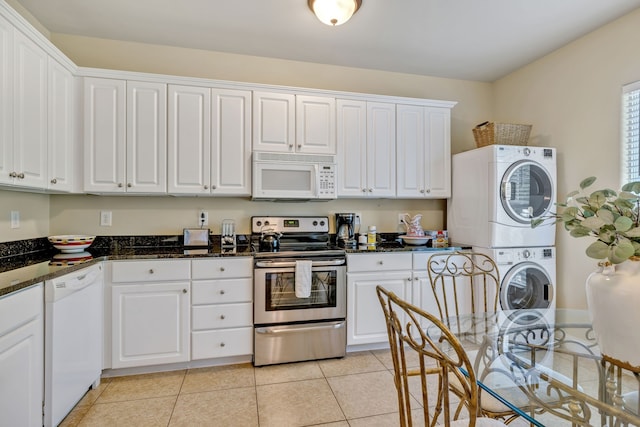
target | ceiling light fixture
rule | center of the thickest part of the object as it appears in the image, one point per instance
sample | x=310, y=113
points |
x=334, y=12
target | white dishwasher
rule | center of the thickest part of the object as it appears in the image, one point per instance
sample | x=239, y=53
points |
x=73, y=340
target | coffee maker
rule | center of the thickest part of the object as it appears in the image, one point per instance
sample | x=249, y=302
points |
x=347, y=225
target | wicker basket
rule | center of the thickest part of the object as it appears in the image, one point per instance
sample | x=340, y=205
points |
x=501, y=134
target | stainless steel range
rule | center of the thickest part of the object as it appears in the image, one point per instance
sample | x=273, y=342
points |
x=300, y=290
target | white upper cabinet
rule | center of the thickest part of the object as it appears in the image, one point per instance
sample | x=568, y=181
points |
x=61, y=150
x=29, y=113
x=366, y=149
x=6, y=102
x=124, y=136
x=230, y=142
x=289, y=123
x=274, y=122
x=189, y=152
x=315, y=124
x=146, y=170
x=423, y=152
x=104, y=135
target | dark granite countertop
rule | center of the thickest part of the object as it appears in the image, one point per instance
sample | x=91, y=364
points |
x=23, y=270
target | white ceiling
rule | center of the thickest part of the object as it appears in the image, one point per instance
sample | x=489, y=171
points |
x=479, y=40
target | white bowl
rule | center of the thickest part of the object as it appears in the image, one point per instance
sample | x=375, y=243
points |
x=71, y=243
x=415, y=240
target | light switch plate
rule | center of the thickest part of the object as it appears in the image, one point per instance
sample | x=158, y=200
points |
x=15, y=219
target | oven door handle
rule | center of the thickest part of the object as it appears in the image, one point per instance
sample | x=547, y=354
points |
x=288, y=264
x=274, y=330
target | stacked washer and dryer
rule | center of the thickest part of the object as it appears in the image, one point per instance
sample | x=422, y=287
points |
x=497, y=191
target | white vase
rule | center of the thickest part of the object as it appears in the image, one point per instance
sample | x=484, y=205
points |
x=613, y=297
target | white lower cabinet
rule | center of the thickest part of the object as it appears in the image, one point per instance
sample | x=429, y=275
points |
x=150, y=318
x=365, y=320
x=222, y=308
x=22, y=358
x=403, y=273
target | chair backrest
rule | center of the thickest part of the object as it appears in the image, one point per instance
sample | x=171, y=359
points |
x=414, y=332
x=463, y=283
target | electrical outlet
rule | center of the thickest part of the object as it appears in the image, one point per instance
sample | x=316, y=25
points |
x=203, y=218
x=401, y=217
x=105, y=218
x=15, y=219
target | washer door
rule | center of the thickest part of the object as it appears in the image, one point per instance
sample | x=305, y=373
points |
x=526, y=191
x=526, y=285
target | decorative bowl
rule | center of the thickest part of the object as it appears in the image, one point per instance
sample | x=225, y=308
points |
x=71, y=243
x=415, y=240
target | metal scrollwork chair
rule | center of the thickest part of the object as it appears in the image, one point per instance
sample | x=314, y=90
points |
x=468, y=283
x=438, y=352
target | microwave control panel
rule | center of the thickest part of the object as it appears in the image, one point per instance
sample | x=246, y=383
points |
x=327, y=175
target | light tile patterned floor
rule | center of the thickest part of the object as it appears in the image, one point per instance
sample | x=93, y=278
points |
x=354, y=391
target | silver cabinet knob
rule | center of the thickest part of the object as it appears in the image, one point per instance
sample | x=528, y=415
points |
x=21, y=175
x=299, y=146
x=422, y=191
x=381, y=262
x=364, y=190
x=290, y=145
x=129, y=185
x=54, y=181
x=222, y=316
x=151, y=271
x=221, y=268
x=428, y=191
x=221, y=344
x=206, y=187
x=222, y=292
x=184, y=291
x=371, y=190
x=119, y=185
x=213, y=187
x=13, y=175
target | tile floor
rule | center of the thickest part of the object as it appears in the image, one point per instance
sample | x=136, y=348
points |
x=354, y=391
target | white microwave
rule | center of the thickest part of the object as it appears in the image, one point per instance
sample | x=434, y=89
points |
x=285, y=176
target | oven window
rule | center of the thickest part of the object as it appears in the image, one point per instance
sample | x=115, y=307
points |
x=281, y=291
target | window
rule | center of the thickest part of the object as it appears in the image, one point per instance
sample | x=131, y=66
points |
x=631, y=132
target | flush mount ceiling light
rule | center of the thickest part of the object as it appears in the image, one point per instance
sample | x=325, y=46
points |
x=334, y=12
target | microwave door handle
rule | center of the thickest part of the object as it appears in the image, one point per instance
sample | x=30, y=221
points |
x=316, y=190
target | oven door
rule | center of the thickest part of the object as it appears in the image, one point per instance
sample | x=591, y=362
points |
x=275, y=297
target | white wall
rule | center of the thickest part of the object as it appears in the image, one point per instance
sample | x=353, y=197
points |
x=573, y=97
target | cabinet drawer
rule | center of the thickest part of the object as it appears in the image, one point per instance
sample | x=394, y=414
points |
x=222, y=291
x=372, y=263
x=420, y=259
x=19, y=308
x=222, y=268
x=221, y=343
x=221, y=316
x=150, y=271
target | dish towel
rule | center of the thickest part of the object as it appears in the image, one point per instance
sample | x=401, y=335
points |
x=303, y=279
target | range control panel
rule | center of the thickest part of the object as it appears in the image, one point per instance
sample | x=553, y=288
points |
x=290, y=224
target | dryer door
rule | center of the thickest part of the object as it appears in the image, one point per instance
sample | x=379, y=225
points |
x=526, y=191
x=526, y=285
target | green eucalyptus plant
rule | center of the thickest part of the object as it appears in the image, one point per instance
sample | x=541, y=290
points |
x=612, y=218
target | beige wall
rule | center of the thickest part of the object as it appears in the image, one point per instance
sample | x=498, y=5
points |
x=150, y=215
x=572, y=97
x=34, y=215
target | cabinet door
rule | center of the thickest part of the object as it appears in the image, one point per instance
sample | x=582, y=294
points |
x=438, y=152
x=230, y=142
x=410, y=151
x=21, y=358
x=315, y=124
x=61, y=128
x=150, y=324
x=381, y=149
x=351, y=126
x=146, y=169
x=104, y=135
x=189, y=153
x=6, y=101
x=422, y=293
x=30, y=112
x=273, y=122
x=365, y=320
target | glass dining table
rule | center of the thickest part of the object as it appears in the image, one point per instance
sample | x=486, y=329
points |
x=546, y=365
